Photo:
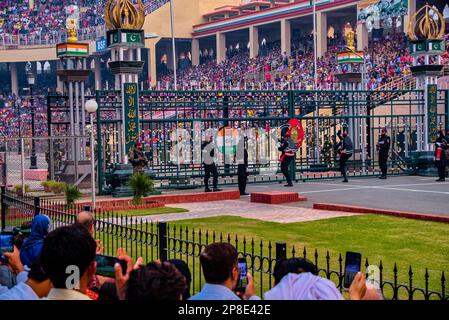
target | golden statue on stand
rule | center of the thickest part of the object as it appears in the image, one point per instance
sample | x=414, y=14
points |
x=123, y=14
x=430, y=25
x=350, y=35
x=71, y=30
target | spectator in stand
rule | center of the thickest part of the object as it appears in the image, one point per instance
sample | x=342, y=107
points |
x=219, y=262
x=32, y=246
x=69, y=247
x=158, y=281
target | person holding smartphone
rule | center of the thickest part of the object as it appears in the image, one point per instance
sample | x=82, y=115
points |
x=220, y=265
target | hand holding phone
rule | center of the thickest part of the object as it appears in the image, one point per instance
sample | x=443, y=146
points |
x=6, y=245
x=353, y=263
x=105, y=265
x=243, y=278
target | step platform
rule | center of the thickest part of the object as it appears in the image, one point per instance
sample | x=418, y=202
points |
x=276, y=197
x=196, y=197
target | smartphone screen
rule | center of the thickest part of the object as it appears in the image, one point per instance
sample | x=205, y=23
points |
x=352, y=266
x=243, y=270
x=105, y=265
x=6, y=245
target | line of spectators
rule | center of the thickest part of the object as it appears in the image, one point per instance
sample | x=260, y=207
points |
x=61, y=265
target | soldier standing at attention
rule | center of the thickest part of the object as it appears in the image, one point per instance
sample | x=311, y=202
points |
x=242, y=165
x=209, y=166
x=383, y=147
x=345, y=147
x=137, y=158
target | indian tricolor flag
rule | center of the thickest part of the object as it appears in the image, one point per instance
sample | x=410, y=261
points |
x=345, y=57
x=72, y=50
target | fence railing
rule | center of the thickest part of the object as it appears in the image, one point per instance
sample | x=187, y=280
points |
x=160, y=240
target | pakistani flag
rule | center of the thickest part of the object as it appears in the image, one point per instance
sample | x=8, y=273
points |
x=129, y=37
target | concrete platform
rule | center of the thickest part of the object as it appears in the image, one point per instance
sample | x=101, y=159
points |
x=276, y=197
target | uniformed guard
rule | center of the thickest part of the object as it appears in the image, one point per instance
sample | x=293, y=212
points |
x=440, y=156
x=383, y=147
x=345, y=149
x=208, y=154
x=287, y=156
x=137, y=158
x=242, y=165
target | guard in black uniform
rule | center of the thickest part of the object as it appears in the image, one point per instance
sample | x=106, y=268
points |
x=242, y=165
x=440, y=155
x=209, y=166
x=287, y=157
x=383, y=147
x=345, y=147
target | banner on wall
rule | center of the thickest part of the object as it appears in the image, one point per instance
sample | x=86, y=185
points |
x=371, y=10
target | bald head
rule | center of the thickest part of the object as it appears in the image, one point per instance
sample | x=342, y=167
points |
x=86, y=219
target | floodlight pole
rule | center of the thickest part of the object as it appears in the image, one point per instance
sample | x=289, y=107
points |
x=315, y=84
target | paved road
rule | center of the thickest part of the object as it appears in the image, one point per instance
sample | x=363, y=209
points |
x=405, y=193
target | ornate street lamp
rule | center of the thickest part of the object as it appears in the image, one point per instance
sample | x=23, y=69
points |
x=33, y=159
x=91, y=107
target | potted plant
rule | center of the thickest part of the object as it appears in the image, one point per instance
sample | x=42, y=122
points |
x=72, y=193
x=19, y=191
x=141, y=185
x=57, y=187
x=46, y=185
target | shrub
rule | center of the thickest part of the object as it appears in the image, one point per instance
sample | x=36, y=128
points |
x=72, y=193
x=57, y=186
x=141, y=184
x=46, y=185
x=19, y=191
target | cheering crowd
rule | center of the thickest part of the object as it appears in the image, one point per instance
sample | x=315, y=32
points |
x=48, y=16
x=64, y=264
x=385, y=60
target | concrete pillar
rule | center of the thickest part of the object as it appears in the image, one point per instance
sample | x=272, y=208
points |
x=285, y=36
x=253, y=41
x=152, y=65
x=321, y=25
x=195, y=51
x=362, y=36
x=98, y=78
x=410, y=11
x=14, y=79
x=221, y=47
x=59, y=83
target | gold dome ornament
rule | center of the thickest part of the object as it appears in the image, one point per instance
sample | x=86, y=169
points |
x=123, y=14
x=430, y=25
x=71, y=25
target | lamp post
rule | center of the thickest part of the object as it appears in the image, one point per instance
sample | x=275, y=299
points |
x=18, y=103
x=91, y=107
x=33, y=159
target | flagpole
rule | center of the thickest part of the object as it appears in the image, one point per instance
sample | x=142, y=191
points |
x=175, y=84
x=315, y=83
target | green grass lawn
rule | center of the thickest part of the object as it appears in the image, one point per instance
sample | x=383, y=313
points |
x=152, y=211
x=406, y=242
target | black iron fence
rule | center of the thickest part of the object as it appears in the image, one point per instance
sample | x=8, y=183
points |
x=160, y=240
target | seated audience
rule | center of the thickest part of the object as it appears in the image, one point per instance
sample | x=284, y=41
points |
x=219, y=262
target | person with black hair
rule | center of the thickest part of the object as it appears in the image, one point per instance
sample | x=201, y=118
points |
x=157, y=281
x=185, y=271
x=68, y=259
x=242, y=165
x=383, y=147
x=219, y=262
